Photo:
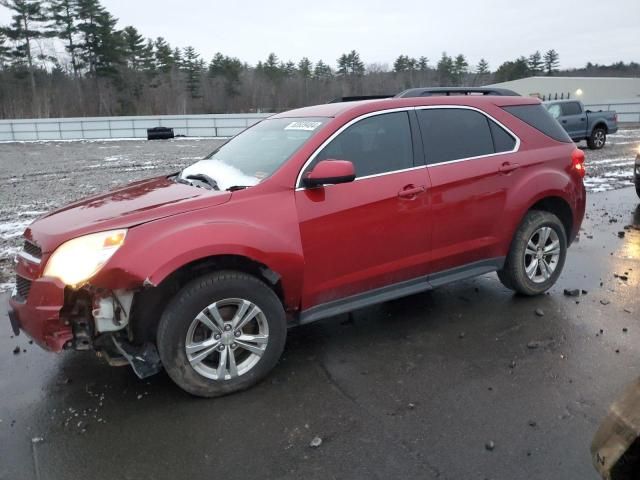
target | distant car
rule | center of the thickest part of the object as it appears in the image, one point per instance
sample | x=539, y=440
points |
x=583, y=124
x=306, y=215
x=636, y=174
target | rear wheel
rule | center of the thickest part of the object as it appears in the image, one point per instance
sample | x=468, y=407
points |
x=537, y=254
x=597, y=139
x=222, y=333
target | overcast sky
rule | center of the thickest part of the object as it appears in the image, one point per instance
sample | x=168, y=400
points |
x=599, y=31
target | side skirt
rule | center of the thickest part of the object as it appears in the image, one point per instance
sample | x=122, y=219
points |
x=398, y=290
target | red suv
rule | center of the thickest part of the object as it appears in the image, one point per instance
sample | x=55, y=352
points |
x=308, y=214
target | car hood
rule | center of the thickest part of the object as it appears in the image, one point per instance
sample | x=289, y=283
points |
x=125, y=207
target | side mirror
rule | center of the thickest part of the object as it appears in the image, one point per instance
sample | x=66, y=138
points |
x=330, y=172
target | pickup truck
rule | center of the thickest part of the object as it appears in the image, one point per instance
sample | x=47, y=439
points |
x=583, y=124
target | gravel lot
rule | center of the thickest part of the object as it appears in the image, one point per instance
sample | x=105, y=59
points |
x=39, y=176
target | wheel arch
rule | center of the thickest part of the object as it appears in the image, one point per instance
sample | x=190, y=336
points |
x=560, y=208
x=150, y=302
x=602, y=125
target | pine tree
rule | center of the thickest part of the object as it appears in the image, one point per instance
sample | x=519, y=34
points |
x=445, y=69
x=350, y=64
x=63, y=15
x=304, y=67
x=5, y=50
x=163, y=55
x=460, y=68
x=229, y=69
x=423, y=64
x=483, y=67
x=134, y=48
x=322, y=71
x=271, y=68
x=177, y=57
x=192, y=66
x=289, y=68
x=25, y=28
x=535, y=62
x=401, y=64
x=513, y=70
x=148, y=62
x=101, y=46
x=551, y=61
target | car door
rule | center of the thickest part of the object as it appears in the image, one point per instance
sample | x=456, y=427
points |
x=471, y=165
x=371, y=232
x=573, y=119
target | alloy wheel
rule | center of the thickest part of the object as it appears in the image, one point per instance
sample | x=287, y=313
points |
x=227, y=339
x=542, y=255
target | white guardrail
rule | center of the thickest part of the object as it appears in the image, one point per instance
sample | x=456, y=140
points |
x=627, y=112
x=213, y=125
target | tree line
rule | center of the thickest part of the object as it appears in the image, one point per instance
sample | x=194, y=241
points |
x=61, y=58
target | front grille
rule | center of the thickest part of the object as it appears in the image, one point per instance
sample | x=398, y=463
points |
x=32, y=249
x=22, y=286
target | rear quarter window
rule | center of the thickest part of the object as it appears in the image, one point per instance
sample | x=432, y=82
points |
x=454, y=133
x=539, y=118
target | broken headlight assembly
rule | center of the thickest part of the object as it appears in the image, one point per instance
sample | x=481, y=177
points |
x=77, y=260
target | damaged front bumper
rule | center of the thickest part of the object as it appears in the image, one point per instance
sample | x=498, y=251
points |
x=59, y=318
x=38, y=314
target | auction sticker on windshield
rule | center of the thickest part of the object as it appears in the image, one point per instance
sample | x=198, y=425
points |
x=309, y=126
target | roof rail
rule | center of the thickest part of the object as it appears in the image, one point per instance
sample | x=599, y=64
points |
x=359, y=97
x=446, y=91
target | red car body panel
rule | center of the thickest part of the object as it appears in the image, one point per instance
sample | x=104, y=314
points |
x=326, y=243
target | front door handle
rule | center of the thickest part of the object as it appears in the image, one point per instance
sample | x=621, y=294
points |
x=508, y=167
x=411, y=191
x=564, y=121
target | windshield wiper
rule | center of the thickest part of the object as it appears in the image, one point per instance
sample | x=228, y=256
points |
x=237, y=187
x=204, y=179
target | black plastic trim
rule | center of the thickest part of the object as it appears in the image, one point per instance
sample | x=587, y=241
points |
x=398, y=290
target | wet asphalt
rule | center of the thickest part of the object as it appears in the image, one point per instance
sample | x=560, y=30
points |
x=414, y=388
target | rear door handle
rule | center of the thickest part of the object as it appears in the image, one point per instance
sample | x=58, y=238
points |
x=508, y=167
x=411, y=191
x=564, y=121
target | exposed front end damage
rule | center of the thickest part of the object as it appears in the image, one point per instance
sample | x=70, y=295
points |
x=60, y=318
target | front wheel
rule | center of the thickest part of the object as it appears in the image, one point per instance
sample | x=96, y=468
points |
x=537, y=254
x=597, y=139
x=221, y=333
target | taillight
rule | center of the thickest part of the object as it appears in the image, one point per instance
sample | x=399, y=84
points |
x=577, y=162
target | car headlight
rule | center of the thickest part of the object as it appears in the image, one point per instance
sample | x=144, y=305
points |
x=76, y=261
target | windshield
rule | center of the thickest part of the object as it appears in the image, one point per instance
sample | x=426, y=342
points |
x=256, y=153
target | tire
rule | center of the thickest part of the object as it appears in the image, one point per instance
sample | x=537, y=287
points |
x=224, y=292
x=514, y=273
x=597, y=139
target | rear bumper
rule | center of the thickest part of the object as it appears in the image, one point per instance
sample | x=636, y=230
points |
x=39, y=314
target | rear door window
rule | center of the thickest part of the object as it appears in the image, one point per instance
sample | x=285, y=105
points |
x=455, y=133
x=503, y=141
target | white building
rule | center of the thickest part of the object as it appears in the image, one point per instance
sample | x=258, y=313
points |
x=615, y=93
